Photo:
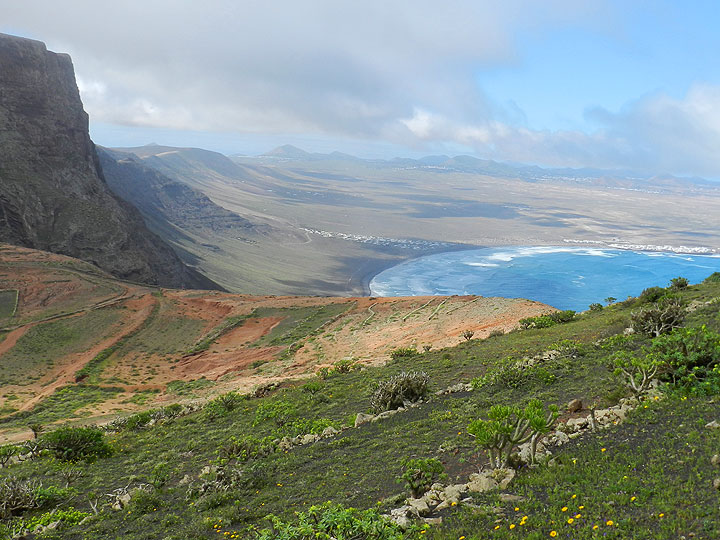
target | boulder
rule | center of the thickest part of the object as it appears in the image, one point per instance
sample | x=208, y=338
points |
x=481, y=482
x=715, y=460
x=504, y=477
x=401, y=516
x=556, y=438
x=713, y=425
x=577, y=424
x=310, y=438
x=329, y=432
x=362, y=418
x=574, y=406
x=454, y=493
x=418, y=507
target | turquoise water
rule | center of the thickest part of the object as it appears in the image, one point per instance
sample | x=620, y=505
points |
x=563, y=277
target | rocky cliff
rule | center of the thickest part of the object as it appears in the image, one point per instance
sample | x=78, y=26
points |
x=52, y=193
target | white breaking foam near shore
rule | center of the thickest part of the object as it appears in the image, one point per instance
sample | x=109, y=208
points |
x=620, y=244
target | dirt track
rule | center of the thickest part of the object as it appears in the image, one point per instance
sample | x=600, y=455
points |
x=52, y=286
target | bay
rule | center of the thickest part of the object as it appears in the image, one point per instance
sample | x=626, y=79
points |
x=563, y=277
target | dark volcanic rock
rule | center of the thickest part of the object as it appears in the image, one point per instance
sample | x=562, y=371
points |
x=52, y=193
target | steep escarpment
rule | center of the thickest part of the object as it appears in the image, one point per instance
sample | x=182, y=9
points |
x=52, y=192
x=163, y=201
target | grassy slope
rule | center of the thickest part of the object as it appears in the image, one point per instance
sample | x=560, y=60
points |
x=661, y=456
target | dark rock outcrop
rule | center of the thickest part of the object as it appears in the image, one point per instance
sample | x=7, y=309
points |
x=52, y=193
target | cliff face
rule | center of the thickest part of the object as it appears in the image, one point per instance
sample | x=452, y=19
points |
x=52, y=193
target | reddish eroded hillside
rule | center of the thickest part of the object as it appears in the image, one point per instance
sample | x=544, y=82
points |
x=115, y=347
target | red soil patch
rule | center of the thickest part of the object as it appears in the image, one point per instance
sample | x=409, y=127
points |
x=251, y=331
x=64, y=372
x=12, y=338
x=215, y=365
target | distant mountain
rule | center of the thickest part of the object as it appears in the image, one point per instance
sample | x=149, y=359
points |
x=52, y=193
x=288, y=151
x=621, y=179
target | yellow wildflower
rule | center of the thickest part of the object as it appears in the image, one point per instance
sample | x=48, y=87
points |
x=609, y=523
x=553, y=534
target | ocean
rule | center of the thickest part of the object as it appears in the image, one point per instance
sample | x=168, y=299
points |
x=563, y=277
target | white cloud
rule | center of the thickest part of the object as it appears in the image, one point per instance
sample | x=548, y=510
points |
x=402, y=71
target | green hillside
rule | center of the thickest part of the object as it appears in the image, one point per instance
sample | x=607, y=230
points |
x=294, y=452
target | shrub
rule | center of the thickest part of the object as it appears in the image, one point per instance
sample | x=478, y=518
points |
x=138, y=420
x=75, y=443
x=7, y=453
x=395, y=391
x=278, y=410
x=508, y=427
x=345, y=366
x=67, y=517
x=651, y=294
x=595, y=306
x=610, y=300
x=144, y=501
x=223, y=404
x=468, y=334
x=245, y=448
x=691, y=357
x=637, y=371
x=403, y=352
x=52, y=495
x=333, y=521
x=17, y=496
x=660, y=318
x=713, y=278
x=421, y=473
x=312, y=387
x=679, y=283
x=546, y=321
x=562, y=316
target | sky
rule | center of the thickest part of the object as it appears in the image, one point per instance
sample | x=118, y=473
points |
x=629, y=84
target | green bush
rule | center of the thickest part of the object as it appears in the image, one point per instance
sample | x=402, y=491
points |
x=245, y=448
x=138, y=420
x=17, y=495
x=658, y=319
x=679, y=283
x=638, y=372
x=278, y=410
x=223, y=404
x=403, y=352
x=52, y=495
x=651, y=294
x=395, y=391
x=507, y=427
x=7, y=453
x=595, y=307
x=67, y=517
x=421, y=473
x=331, y=521
x=144, y=501
x=713, y=278
x=76, y=443
x=691, y=357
